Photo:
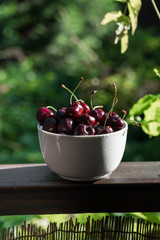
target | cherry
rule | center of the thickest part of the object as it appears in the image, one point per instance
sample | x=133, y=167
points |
x=113, y=114
x=80, y=119
x=104, y=118
x=83, y=129
x=99, y=129
x=50, y=125
x=43, y=113
x=86, y=108
x=61, y=113
x=66, y=125
x=97, y=114
x=106, y=130
x=107, y=115
x=75, y=110
x=115, y=122
x=86, y=119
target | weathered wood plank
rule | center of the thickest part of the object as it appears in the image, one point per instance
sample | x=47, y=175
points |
x=34, y=189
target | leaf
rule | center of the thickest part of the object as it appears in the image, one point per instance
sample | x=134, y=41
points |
x=152, y=117
x=123, y=1
x=134, y=7
x=149, y=106
x=111, y=16
x=142, y=104
x=136, y=4
x=125, y=19
x=156, y=72
x=124, y=43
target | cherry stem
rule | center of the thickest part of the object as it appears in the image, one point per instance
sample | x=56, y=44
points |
x=102, y=129
x=91, y=99
x=70, y=92
x=80, y=100
x=134, y=122
x=97, y=107
x=97, y=123
x=81, y=80
x=52, y=108
x=124, y=114
x=115, y=101
x=109, y=113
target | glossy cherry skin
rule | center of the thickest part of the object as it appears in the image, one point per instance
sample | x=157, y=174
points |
x=106, y=115
x=43, y=113
x=106, y=130
x=113, y=114
x=50, y=125
x=61, y=113
x=103, y=119
x=86, y=108
x=75, y=110
x=115, y=122
x=66, y=125
x=83, y=129
x=86, y=119
x=97, y=114
x=99, y=129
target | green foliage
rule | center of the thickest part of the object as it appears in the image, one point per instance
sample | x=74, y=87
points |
x=148, y=106
x=134, y=7
x=147, y=110
x=124, y=21
x=39, y=52
x=44, y=44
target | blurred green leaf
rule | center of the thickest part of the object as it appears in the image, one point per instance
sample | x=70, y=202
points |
x=134, y=7
x=123, y=23
x=111, y=16
x=157, y=72
x=149, y=107
x=123, y=1
x=152, y=118
x=124, y=43
x=143, y=104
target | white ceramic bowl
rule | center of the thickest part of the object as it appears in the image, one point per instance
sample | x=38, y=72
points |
x=83, y=158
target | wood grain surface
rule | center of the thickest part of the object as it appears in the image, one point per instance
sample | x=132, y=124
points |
x=34, y=189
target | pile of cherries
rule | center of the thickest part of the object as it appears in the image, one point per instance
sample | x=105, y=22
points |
x=80, y=119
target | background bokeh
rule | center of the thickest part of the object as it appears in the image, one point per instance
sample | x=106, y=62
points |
x=46, y=43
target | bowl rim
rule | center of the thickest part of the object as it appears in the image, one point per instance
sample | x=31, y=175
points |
x=83, y=136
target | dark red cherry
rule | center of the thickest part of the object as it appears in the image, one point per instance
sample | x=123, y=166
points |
x=43, y=113
x=86, y=119
x=61, y=113
x=66, y=125
x=115, y=122
x=101, y=130
x=107, y=130
x=106, y=115
x=86, y=108
x=50, y=125
x=90, y=130
x=113, y=114
x=103, y=119
x=97, y=114
x=83, y=129
x=75, y=110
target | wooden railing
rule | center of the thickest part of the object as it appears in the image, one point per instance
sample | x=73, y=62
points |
x=34, y=189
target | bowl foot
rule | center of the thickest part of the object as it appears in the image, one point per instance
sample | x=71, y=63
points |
x=85, y=179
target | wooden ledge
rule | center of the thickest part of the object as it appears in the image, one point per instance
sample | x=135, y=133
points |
x=34, y=189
